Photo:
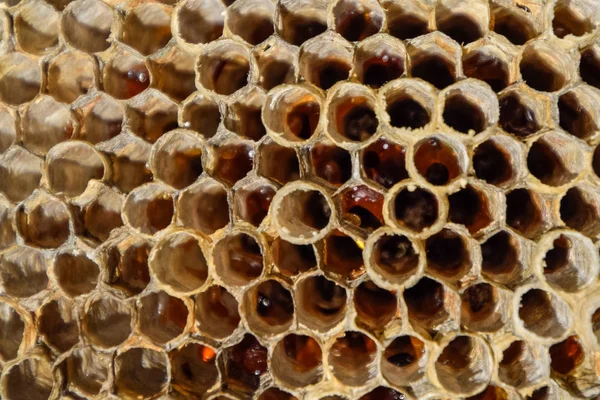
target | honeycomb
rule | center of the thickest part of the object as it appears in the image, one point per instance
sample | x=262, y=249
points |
x=299, y=199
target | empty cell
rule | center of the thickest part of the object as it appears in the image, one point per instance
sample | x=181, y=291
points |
x=544, y=67
x=70, y=75
x=343, y=257
x=483, y=308
x=578, y=208
x=434, y=59
x=172, y=71
x=522, y=364
x=106, y=322
x=448, y=255
x=301, y=20
x=362, y=206
x=379, y=59
x=76, y=273
x=429, y=303
x=216, y=312
x=278, y=163
x=100, y=116
x=463, y=115
x=352, y=358
x=149, y=208
x=36, y=28
x=29, y=378
x=383, y=393
x=58, y=325
x=200, y=21
x=23, y=271
x=238, y=258
x=515, y=23
x=177, y=158
x=488, y=64
x=470, y=207
x=589, y=66
x=87, y=370
x=71, y=165
x=124, y=75
x=178, y=262
x=524, y=211
x=97, y=212
x=394, y=256
x=416, y=209
x=566, y=356
x=576, y=113
x=320, y=303
x=204, y=207
x=20, y=173
x=276, y=62
x=126, y=262
x=554, y=159
x=147, y=27
x=493, y=162
x=293, y=259
x=408, y=19
x=331, y=163
x=408, y=103
x=351, y=113
x=193, y=368
x=269, y=308
x=356, y=20
x=569, y=19
x=297, y=360
x=518, y=116
x=161, y=317
x=11, y=320
x=251, y=203
x=502, y=258
x=245, y=363
x=22, y=84
x=404, y=360
x=325, y=60
x=224, y=66
x=384, y=162
x=232, y=161
x=151, y=115
x=43, y=221
x=465, y=21
x=201, y=113
x=543, y=313
x=375, y=307
x=140, y=372
x=86, y=25
x=252, y=20
x=438, y=161
x=244, y=115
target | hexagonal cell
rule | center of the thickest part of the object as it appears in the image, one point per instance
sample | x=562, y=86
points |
x=193, y=368
x=409, y=103
x=70, y=75
x=578, y=207
x=149, y=208
x=408, y=19
x=514, y=23
x=483, y=308
x=331, y=163
x=86, y=370
x=126, y=262
x=36, y=27
x=356, y=20
x=448, y=255
x=589, y=66
x=502, y=258
x=147, y=27
x=269, y=308
x=8, y=235
x=470, y=206
x=320, y=303
x=470, y=107
x=464, y=365
x=100, y=116
x=493, y=161
x=343, y=257
x=545, y=67
x=151, y=115
x=293, y=259
x=58, y=324
x=238, y=258
x=278, y=163
x=572, y=18
x=20, y=78
x=393, y=256
x=293, y=113
x=244, y=364
x=46, y=123
x=97, y=212
x=577, y=113
x=140, y=372
x=524, y=211
x=325, y=60
x=225, y=66
x=20, y=173
x=379, y=59
x=521, y=364
x=384, y=163
x=76, y=273
x=43, y=221
x=244, y=114
x=434, y=58
x=438, y=160
x=416, y=209
x=173, y=72
x=106, y=322
x=544, y=313
x=252, y=20
x=362, y=206
x=351, y=115
x=489, y=63
x=404, y=360
x=276, y=62
x=8, y=129
x=28, y=378
x=463, y=21
x=11, y=320
x=204, y=207
x=86, y=25
x=251, y=202
x=124, y=75
x=216, y=312
x=554, y=159
x=430, y=304
x=232, y=161
x=566, y=356
x=178, y=263
x=375, y=307
x=301, y=20
x=297, y=360
x=177, y=158
x=161, y=317
x=23, y=271
x=352, y=358
x=201, y=113
x=199, y=21
x=520, y=114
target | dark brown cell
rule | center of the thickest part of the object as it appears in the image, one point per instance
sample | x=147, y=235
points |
x=331, y=163
x=321, y=303
x=488, y=68
x=297, y=28
x=395, y=256
x=351, y=358
x=545, y=164
x=516, y=117
x=425, y=302
x=500, y=254
x=375, y=307
x=458, y=353
x=463, y=115
x=363, y=207
x=492, y=163
x=470, y=207
x=278, y=163
x=292, y=259
x=576, y=211
x=407, y=26
x=566, y=355
x=416, y=209
x=557, y=258
x=326, y=73
x=355, y=119
x=434, y=69
x=479, y=301
x=384, y=163
x=460, y=27
x=404, y=351
x=437, y=161
x=589, y=67
x=272, y=303
x=343, y=257
x=447, y=254
x=523, y=211
x=383, y=393
x=539, y=74
x=302, y=119
x=574, y=117
x=303, y=352
x=596, y=161
x=355, y=23
x=239, y=259
x=274, y=393
x=407, y=113
x=516, y=28
x=245, y=363
x=382, y=68
x=233, y=162
x=252, y=204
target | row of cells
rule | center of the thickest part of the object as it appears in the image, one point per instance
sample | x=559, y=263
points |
x=88, y=24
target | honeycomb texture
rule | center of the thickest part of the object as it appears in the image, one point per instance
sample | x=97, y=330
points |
x=299, y=199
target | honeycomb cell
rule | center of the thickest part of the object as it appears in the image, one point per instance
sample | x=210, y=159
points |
x=97, y=212
x=28, y=378
x=409, y=103
x=200, y=112
x=520, y=114
x=471, y=207
x=577, y=209
x=524, y=211
x=245, y=363
x=20, y=173
x=140, y=372
x=577, y=113
x=379, y=59
x=320, y=303
x=177, y=158
x=430, y=304
x=43, y=221
x=343, y=257
x=178, y=262
x=361, y=206
x=238, y=258
x=225, y=67
x=278, y=163
x=325, y=60
x=199, y=21
x=23, y=271
x=414, y=208
x=514, y=23
x=352, y=358
x=439, y=161
x=483, y=308
x=252, y=20
x=544, y=67
x=522, y=364
x=375, y=307
x=383, y=162
x=244, y=114
x=493, y=161
x=204, y=207
x=502, y=254
x=301, y=20
x=383, y=392
x=12, y=320
x=172, y=71
x=216, y=312
x=76, y=272
x=351, y=113
x=589, y=65
x=147, y=27
x=448, y=255
x=403, y=360
x=408, y=19
x=70, y=75
x=554, y=159
x=356, y=20
x=124, y=75
x=86, y=370
x=465, y=21
x=269, y=308
x=58, y=324
x=46, y=123
x=106, y=322
x=151, y=115
x=251, y=202
x=161, y=317
x=276, y=62
x=434, y=59
x=470, y=106
x=20, y=78
x=566, y=356
x=393, y=256
x=71, y=165
x=149, y=208
x=86, y=25
x=193, y=368
x=100, y=116
x=232, y=161
x=543, y=313
x=571, y=18
x=36, y=28
x=490, y=64
x=293, y=259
